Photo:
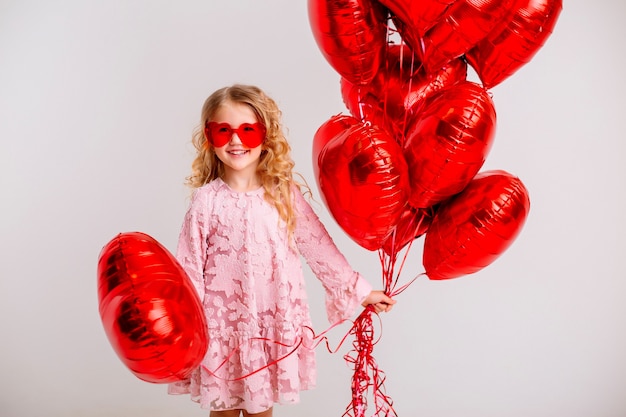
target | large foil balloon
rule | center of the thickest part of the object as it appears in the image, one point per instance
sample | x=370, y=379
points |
x=515, y=41
x=362, y=178
x=351, y=34
x=417, y=15
x=149, y=309
x=462, y=26
x=398, y=88
x=448, y=142
x=473, y=228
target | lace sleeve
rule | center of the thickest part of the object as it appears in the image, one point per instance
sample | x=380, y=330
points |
x=345, y=289
x=192, y=244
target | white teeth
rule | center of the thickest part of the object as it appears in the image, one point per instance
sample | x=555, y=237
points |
x=237, y=152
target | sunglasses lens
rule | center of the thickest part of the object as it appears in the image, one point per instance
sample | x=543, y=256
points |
x=218, y=134
x=251, y=135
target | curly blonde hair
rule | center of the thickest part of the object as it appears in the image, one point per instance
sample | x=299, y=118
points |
x=275, y=165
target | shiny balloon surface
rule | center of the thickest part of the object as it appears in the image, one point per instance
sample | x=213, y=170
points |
x=475, y=227
x=362, y=178
x=463, y=25
x=351, y=34
x=448, y=142
x=514, y=41
x=149, y=309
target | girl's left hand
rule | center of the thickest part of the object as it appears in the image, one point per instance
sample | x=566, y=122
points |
x=380, y=301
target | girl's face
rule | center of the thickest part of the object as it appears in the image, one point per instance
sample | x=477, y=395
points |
x=239, y=160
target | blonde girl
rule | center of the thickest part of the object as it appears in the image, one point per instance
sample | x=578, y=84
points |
x=241, y=241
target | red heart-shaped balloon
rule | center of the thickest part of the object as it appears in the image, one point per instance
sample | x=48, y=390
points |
x=400, y=85
x=515, y=41
x=351, y=34
x=448, y=142
x=149, y=309
x=473, y=228
x=363, y=180
x=462, y=26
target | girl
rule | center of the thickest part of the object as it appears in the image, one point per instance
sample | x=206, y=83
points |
x=240, y=243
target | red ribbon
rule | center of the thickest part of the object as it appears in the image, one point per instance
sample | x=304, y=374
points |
x=366, y=372
x=367, y=375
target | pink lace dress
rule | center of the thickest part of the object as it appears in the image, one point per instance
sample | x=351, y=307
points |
x=234, y=248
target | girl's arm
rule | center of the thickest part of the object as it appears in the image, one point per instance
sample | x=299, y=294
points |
x=345, y=289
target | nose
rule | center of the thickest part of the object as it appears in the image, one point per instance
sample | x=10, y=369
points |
x=234, y=139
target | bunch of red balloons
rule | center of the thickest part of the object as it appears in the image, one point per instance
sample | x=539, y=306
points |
x=406, y=161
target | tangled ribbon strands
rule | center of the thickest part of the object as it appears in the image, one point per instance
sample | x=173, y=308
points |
x=366, y=372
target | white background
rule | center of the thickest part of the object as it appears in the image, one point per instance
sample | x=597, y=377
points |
x=97, y=103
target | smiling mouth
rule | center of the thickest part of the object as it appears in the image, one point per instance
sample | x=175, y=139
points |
x=238, y=152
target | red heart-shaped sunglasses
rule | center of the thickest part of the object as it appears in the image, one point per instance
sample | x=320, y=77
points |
x=219, y=134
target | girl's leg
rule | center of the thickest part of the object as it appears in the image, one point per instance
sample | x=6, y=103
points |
x=266, y=413
x=227, y=413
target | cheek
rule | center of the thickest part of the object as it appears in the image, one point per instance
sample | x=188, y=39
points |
x=219, y=154
x=257, y=152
